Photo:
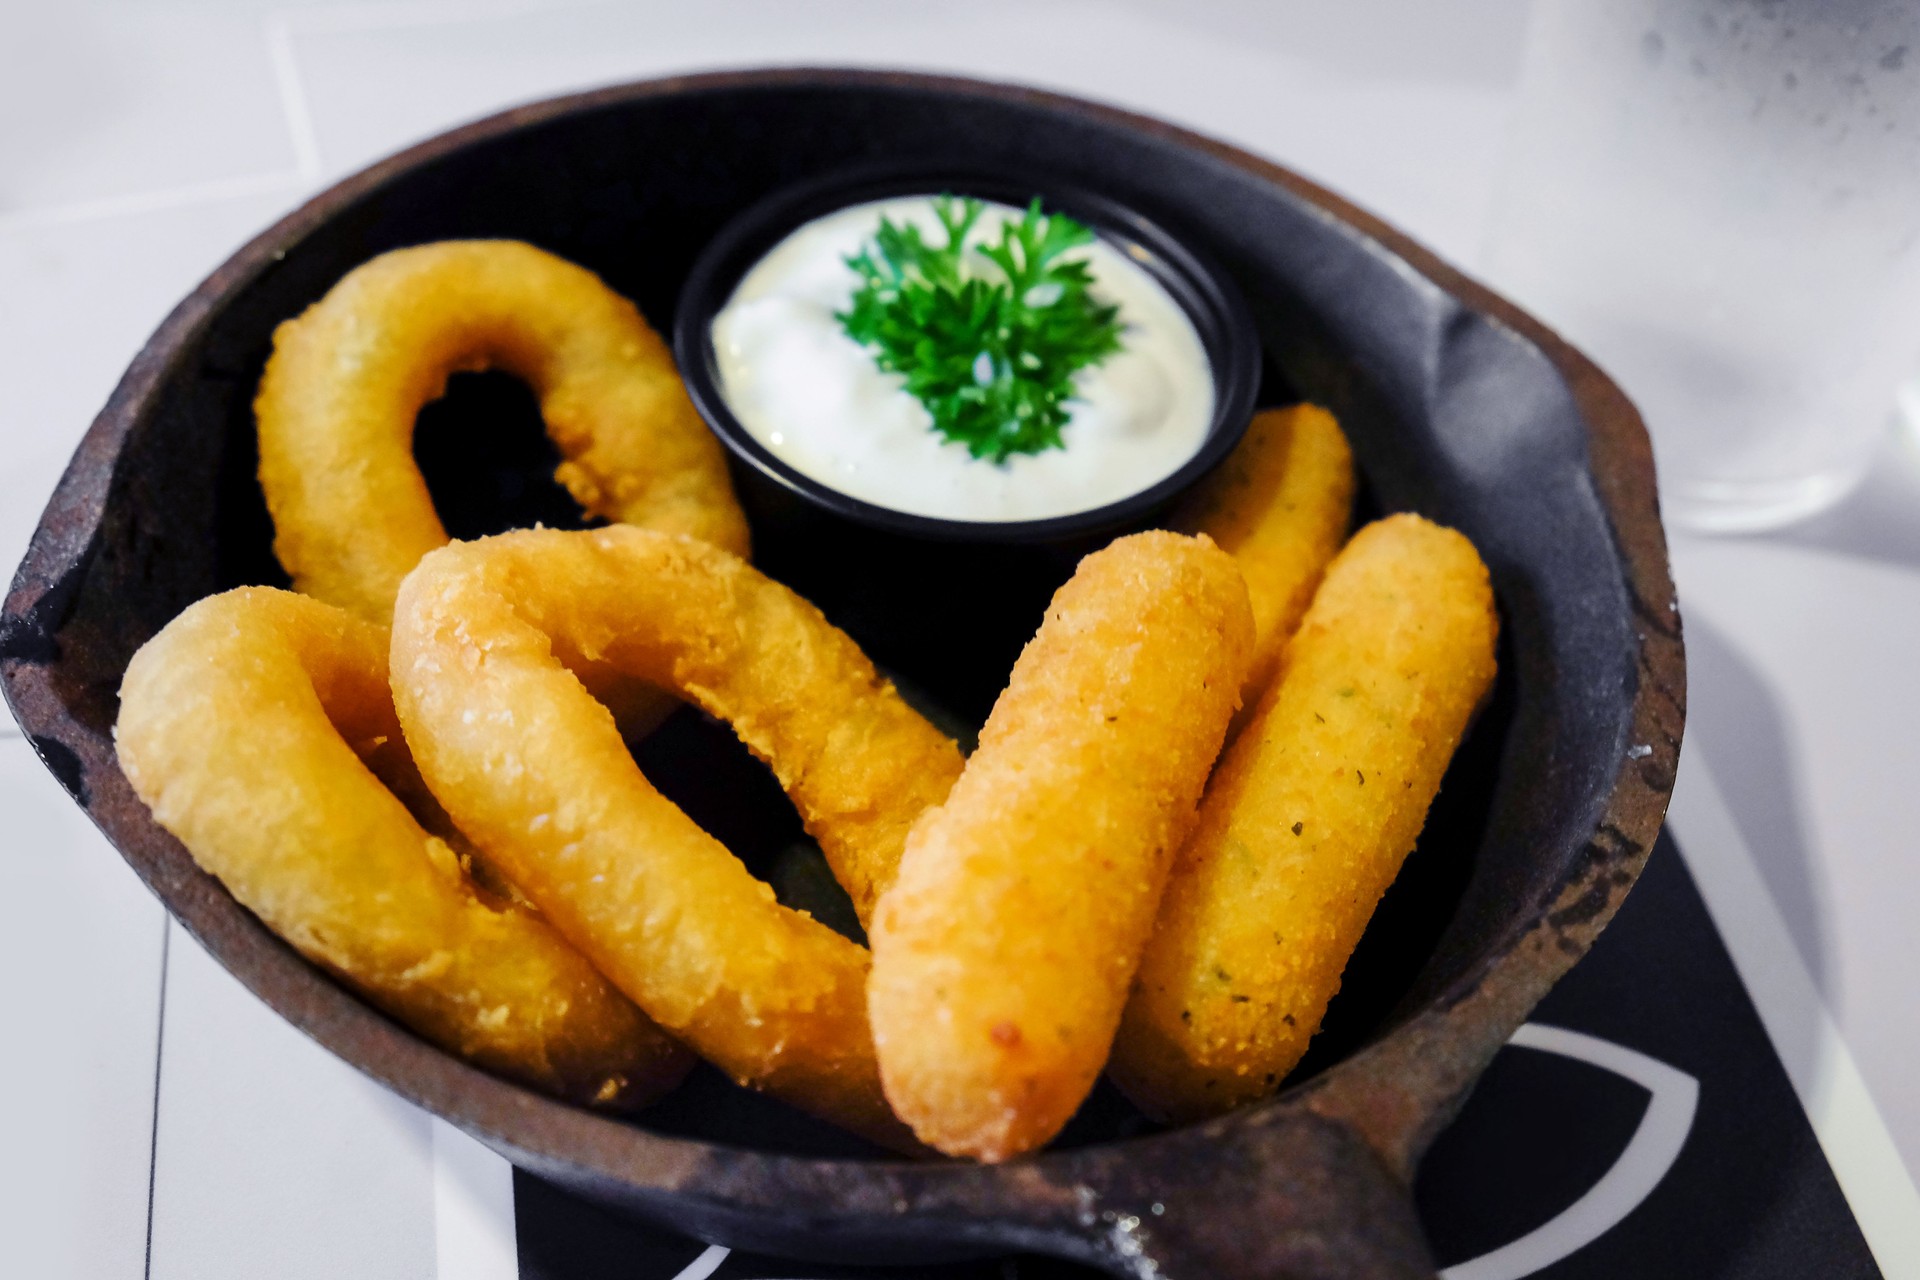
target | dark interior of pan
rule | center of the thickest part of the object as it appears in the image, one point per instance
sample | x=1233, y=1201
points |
x=1457, y=407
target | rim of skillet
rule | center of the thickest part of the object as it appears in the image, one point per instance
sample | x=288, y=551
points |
x=1396, y=1091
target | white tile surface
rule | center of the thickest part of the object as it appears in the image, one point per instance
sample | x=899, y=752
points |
x=1825, y=1072
x=100, y=101
x=473, y=1209
x=77, y=298
x=80, y=1001
x=275, y=1159
x=1803, y=700
x=1415, y=140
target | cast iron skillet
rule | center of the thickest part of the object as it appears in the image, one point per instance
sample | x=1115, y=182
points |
x=1458, y=405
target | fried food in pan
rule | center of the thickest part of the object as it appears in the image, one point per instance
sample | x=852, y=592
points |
x=1307, y=820
x=532, y=768
x=1003, y=952
x=257, y=726
x=1279, y=504
x=347, y=378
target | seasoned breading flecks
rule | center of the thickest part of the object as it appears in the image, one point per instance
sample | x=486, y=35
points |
x=1004, y=950
x=1307, y=820
x=1279, y=505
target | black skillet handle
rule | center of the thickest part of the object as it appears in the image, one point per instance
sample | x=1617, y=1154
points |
x=1287, y=1195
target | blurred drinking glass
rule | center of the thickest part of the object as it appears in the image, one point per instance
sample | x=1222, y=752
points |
x=1720, y=201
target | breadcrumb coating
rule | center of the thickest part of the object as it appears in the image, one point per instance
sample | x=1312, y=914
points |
x=1307, y=820
x=1003, y=952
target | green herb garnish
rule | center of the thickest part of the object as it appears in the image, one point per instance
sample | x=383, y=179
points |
x=993, y=359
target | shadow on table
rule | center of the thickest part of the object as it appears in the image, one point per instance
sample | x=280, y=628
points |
x=1878, y=521
x=1739, y=733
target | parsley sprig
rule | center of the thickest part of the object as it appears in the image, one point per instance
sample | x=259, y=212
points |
x=992, y=359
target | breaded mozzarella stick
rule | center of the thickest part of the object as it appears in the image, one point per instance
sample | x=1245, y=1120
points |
x=1002, y=953
x=1307, y=820
x=1279, y=505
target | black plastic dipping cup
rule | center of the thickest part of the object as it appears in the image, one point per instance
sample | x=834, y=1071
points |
x=945, y=605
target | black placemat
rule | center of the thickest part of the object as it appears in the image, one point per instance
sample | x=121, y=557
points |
x=1749, y=1197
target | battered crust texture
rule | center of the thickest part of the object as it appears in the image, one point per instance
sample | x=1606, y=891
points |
x=258, y=728
x=348, y=377
x=487, y=638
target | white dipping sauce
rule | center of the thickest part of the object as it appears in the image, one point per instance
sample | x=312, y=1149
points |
x=816, y=399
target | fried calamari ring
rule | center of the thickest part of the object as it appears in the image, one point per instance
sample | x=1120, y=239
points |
x=532, y=768
x=253, y=726
x=1307, y=820
x=1280, y=505
x=1003, y=951
x=347, y=378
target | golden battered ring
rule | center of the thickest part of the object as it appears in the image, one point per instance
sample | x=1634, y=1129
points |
x=532, y=768
x=258, y=727
x=348, y=377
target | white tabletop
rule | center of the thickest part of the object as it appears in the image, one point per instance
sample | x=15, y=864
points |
x=141, y=143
